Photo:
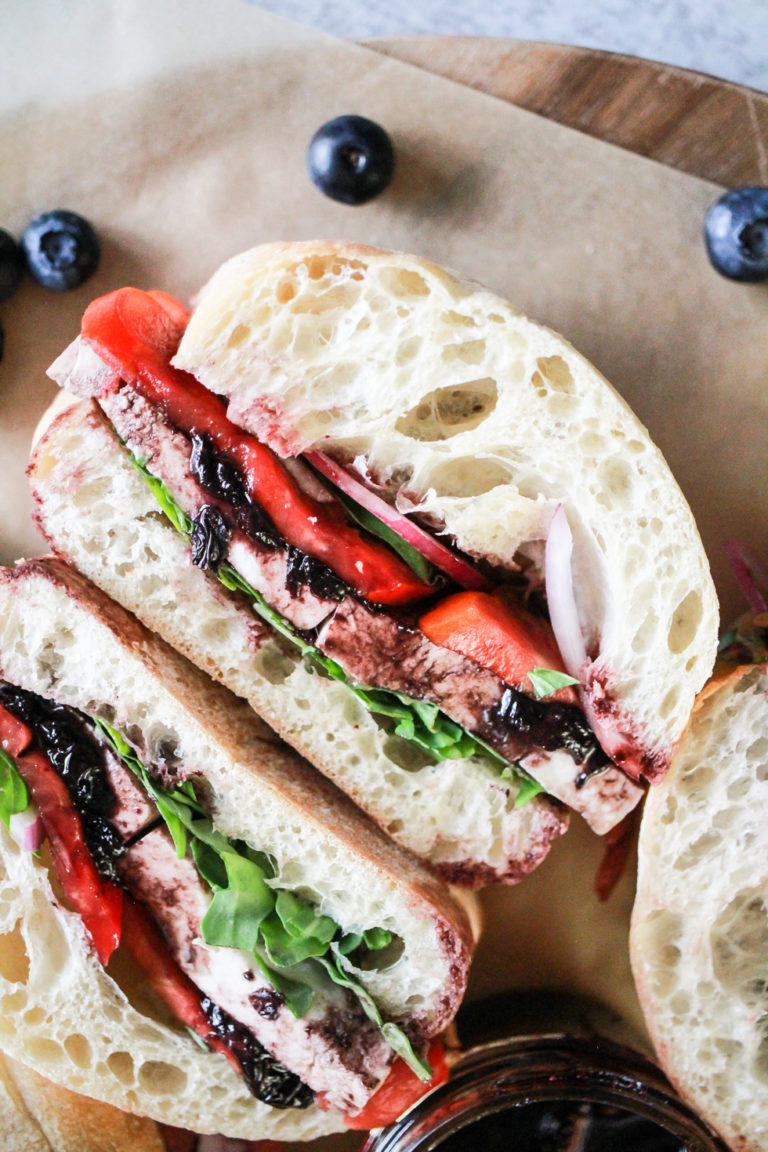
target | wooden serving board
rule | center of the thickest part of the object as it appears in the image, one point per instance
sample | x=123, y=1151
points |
x=695, y=123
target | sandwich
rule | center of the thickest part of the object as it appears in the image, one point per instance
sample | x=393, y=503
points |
x=418, y=532
x=196, y=926
x=699, y=932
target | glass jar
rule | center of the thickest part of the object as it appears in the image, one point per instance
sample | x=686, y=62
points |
x=577, y=1083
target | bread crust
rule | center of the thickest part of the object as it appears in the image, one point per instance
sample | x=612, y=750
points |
x=61, y=637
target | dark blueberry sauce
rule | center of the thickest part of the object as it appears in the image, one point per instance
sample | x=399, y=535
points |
x=304, y=571
x=212, y=526
x=210, y=538
x=268, y=1079
x=223, y=479
x=267, y=1002
x=549, y=725
x=562, y=1126
x=66, y=737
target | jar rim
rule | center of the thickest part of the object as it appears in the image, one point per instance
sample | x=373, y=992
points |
x=543, y=1068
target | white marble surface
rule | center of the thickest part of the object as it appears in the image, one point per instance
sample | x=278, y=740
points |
x=726, y=38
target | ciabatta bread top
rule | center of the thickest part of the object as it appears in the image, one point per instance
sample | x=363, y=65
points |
x=444, y=394
x=64, y=639
x=98, y=513
x=699, y=936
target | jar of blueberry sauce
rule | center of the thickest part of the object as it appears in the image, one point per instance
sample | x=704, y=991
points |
x=561, y=1078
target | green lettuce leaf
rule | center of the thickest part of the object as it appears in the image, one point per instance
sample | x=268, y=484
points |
x=375, y=527
x=14, y=796
x=545, y=681
x=418, y=721
x=394, y=1035
x=283, y=932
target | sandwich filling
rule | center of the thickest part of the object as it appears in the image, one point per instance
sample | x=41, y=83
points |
x=396, y=634
x=254, y=971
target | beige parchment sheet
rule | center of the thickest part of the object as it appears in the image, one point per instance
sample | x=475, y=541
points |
x=179, y=128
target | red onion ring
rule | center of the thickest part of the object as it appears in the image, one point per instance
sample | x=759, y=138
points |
x=459, y=569
x=26, y=828
x=558, y=575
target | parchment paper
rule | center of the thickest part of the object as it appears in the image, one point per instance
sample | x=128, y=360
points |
x=179, y=128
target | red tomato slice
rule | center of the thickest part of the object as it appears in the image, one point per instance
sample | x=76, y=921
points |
x=15, y=736
x=137, y=333
x=509, y=641
x=99, y=902
x=147, y=945
x=400, y=1090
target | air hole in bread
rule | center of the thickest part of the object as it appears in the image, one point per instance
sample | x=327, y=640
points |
x=274, y=665
x=557, y=373
x=615, y=479
x=405, y=754
x=90, y=495
x=468, y=476
x=468, y=352
x=760, y=1066
x=455, y=320
x=669, y=702
x=14, y=960
x=43, y=1051
x=448, y=411
x=78, y=1049
x=407, y=350
x=238, y=336
x=685, y=623
x=739, y=942
x=592, y=443
x=285, y=292
x=121, y=1066
x=403, y=282
x=158, y=1078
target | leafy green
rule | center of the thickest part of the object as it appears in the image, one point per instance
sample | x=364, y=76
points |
x=13, y=791
x=375, y=527
x=394, y=1036
x=527, y=786
x=418, y=721
x=545, y=681
x=281, y=930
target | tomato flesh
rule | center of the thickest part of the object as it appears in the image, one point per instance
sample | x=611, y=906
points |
x=509, y=641
x=15, y=735
x=136, y=333
x=147, y=945
x=98, y=901
x=400, y=1090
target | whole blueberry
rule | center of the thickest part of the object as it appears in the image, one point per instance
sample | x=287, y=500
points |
x=61, y=249
x=351, y=159
x=11, y=265
x=736, y=234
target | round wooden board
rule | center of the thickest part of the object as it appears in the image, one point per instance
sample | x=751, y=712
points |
x=696, y=123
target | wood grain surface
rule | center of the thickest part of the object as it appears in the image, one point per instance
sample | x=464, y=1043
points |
x=696, y=123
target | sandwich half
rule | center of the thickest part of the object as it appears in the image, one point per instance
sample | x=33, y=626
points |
x=699, y=935
x=195, y=926
x=476, y=597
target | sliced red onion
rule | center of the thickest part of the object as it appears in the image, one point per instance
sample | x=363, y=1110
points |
x=80, y=369
x=749, y=575
x=459, y=569
x=26, y=828
x=558, y=575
